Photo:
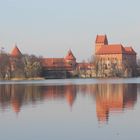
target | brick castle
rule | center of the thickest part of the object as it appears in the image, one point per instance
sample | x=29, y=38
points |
x=110, y=60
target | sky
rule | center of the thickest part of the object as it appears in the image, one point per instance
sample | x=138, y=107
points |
x=49, y=28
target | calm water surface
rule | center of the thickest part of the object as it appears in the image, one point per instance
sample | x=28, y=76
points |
x=76, y=109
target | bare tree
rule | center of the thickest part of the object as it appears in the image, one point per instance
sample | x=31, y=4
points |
x=4, y=66
x=32, y=66
x=17, y=67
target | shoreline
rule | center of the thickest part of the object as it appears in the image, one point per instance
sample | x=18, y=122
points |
x=42, y=78
x=22, y=79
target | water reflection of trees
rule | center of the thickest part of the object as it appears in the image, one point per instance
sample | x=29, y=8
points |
x=18, y=95
x=109, y=97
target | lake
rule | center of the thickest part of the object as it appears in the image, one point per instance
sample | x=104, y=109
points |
x=70, y=109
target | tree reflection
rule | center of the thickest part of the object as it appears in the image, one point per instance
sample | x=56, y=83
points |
x=18, y=95
x=109, y=98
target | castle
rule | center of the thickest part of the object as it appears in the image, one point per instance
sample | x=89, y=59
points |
x=114, y=58
x=111, y=60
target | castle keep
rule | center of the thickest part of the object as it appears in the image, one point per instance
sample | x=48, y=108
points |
x=114, y=59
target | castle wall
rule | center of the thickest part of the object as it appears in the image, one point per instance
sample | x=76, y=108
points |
x=112, y=57
x=98, y=46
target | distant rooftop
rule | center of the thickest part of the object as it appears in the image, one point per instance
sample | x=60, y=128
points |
x=16, y=52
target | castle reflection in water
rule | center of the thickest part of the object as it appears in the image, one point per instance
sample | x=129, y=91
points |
x=108, y=97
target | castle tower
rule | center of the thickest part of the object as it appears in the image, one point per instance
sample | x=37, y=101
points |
x=70, y=58
x=16, y=52
x=100, y=41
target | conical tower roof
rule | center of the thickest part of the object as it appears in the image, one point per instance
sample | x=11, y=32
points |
x=16, y=52
x=70, y=56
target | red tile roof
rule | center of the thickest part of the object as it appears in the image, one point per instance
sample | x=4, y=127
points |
x=111, y=49
x=56, y=64
x=129, y=50
x=52, y=61
x=115, y=49
x=101, y=39
x=70, y=56
x=16, y=52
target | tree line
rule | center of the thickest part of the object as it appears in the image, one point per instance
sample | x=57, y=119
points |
x=25, y=66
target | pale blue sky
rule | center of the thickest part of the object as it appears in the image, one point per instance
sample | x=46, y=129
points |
x=50, y=27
